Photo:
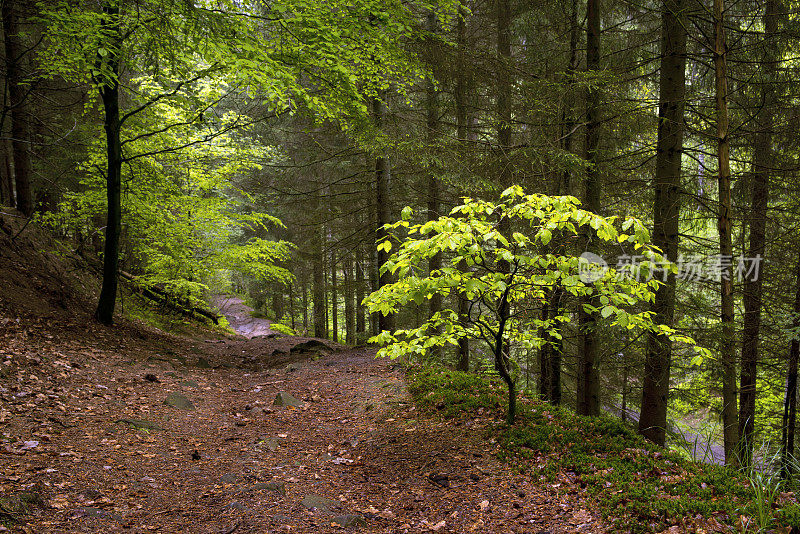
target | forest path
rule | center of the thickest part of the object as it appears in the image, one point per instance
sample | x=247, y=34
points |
x=132, y=430
x=240, y=318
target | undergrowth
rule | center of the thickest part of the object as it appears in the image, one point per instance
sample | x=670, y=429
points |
x=637, y=486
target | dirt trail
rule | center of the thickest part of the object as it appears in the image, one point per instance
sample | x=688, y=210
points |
x=239, y=318
x=87, y=430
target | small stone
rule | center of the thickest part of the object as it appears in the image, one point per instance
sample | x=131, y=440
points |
x=285, y=399
x=189, y=384
x=229, y=478
x=281, y=519
x=150, y=377
x=202, y=363
x=176, y=400
x=139, y=424
x=276, y=487
x=350, y=520
x=270, y=443
x=320, y=503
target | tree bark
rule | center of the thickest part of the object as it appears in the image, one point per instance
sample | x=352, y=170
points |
x=790, y=400
x=334, y=300
x=728, y=355
x=762, y=165
x=666, y=214
x=588, y=377
x=383, y=204
x=20, y=122
x=350, y=305
x=318, y=281
x=460, y=97
x=109, y=94
x=432, y=122
x=361, y=325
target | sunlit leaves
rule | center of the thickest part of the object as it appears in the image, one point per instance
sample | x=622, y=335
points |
x=482, y=265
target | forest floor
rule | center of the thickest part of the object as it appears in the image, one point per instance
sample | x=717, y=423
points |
x=129, y=429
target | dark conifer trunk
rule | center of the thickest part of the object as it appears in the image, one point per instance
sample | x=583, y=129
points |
x=790, y=400
x=383, y=205
x=349, y=305
x=109, y=94
x=361, y=325
x=20, y=122
x=666, y=212
x=432, y=123
x=762, y=165
x=334, y=300
x=727, y=351
x=461, y=132
x=588, y=377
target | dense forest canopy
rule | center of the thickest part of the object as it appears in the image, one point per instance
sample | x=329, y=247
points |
x=444, y=178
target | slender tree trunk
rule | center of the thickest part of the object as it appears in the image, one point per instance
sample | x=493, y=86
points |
x=545, y=355
x=305, y=303
x=277, y=305
x=432, y=122
x=504, y=117
x=666, y=213
x=383, y=204
x=291, y=305
x=6, y=173
x=568, y=132
x=790, y=401
x=109, y=94
x=588, y=376
x=349, y=305
x=762, y=165
x=461, y=134
x=334, y=299
x=728, y=354
x=20, y=122
x=361, y=326
x=318, y=281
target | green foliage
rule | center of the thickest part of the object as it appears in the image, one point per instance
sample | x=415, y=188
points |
x=638, y=486
x=470, y=235
x=183, y=217
x=514, y=272
x=454, y=394
x=282, y=328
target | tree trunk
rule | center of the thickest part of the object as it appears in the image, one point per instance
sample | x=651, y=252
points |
x=109, y=94
x=461, y=133
x=666, y=213
x=318, y=282
x=6, y=173
x=790, y=401
x=383, y=204
x=588, y=377
x=728, y=354
x=349, y=305
x=361, y=325
x=305, y=303
x=334, y=299
x=762, y=165
x=432, y=122
x=20, y=122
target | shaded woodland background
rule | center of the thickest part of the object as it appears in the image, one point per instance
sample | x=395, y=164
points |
x=629, y=107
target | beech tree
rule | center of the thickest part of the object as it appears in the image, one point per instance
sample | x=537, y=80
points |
x=507, y=277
